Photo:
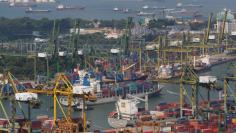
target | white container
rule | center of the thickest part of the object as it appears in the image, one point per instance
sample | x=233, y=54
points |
x=75, y=30
x=79, y=89
x=80, y=52
x=207, y=79
x=212, y=37
x=166, y=129
x=62, y=53
x=151, y=47
x=26, y=96
x=115, y=51
x=42, y=55
x=196, y=39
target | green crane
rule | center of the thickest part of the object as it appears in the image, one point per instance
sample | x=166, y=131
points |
x=207, y=32
x=222, y=29
x=128, y=35
x=74, y=43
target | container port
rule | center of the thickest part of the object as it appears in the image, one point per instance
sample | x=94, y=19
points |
x=171, y=74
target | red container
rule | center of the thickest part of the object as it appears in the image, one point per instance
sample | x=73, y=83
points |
x=202, y=126
x=36, y=125
x=105, y=92
x=179, y=128
x=207, y=131
x=215, y=130
x=148, y=132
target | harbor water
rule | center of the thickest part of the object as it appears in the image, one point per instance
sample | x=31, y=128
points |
x=98, y=116
x=103, y=9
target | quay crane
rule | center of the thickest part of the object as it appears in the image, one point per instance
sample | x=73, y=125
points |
x=222, y=29
x=63, y=87
x=15, y=96
x=228, y=92
x=128, y=35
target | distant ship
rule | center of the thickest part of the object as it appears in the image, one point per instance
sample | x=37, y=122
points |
x=30, y=10
x=116, y=9
x=3, y=1
x=180, y=5
x=145, y=7
x=125, y=10
x=44, y=1
x=62, y=7
x=22, y=5
x=27, y=3
x=145, y=14
x=122, y=10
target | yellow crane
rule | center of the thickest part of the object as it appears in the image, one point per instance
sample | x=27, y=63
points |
x=63, y=87
x=8, y=78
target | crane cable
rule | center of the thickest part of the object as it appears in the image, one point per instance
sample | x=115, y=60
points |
x=63, y=112
x=4, y=111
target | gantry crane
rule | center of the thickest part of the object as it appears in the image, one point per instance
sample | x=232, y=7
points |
x=191, y=79
x=128, y=35
x=204, y=46
x=10, y=81
x=63, y=87
x=222, y=29
x=228, y=91
x=207, y=33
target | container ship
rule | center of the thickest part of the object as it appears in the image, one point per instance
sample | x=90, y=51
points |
x=30, y=10
x=139, y=89
x=107, y=93
x=62, y=7
x=27, y=3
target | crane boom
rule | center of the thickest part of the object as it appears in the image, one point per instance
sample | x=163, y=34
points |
x=223, y=28
x=208, y=29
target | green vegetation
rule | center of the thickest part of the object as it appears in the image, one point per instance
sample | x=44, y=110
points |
x=160, y=23
x=198, y=26
x=21, y=28
x=96, y=38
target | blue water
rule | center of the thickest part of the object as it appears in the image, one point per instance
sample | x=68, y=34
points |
x=102, y=9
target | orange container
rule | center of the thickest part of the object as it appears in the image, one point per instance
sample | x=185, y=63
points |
x=234, y=121
x=110, y=131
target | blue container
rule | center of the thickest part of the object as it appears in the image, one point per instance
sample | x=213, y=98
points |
x=86, y=81
x=20, y=87
x=7, y=89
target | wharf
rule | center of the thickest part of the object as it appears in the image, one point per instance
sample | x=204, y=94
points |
x=217, y=60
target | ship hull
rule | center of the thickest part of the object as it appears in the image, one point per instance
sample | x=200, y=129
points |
x=109, y=80
x=114, y=99
x=37, y=11
x=117, y=123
